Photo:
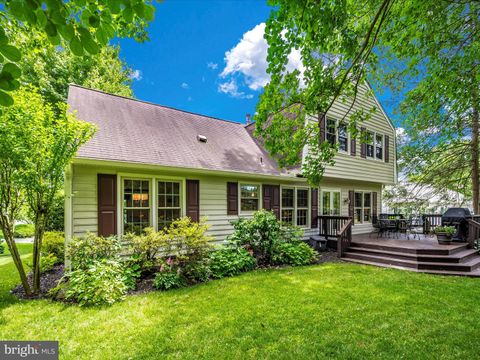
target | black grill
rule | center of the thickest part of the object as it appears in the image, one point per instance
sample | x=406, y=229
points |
x=457, y=217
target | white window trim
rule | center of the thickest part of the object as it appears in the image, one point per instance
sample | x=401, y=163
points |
x=337, y=137
x=363, y=222
x=320, y=200
x=260, y=197
x=374, y=136
x=295, y=207
x=153, y=179
x=150, y=192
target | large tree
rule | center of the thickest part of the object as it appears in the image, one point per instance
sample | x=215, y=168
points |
x=428, y=47
x=84, y=26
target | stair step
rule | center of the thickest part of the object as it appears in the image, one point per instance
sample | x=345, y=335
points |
x=467, y=266
x=475, y=273
x=447, y=250
x=457, y=257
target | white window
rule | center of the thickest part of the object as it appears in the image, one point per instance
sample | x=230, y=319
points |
x=363, y=207
x=169, y=203
x=379, y=146
x=295, y=206
x=343, y=136
x=369, y=144
x=249, y=197
x=136, y=205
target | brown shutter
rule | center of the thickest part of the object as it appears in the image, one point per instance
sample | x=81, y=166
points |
x=322, y=123
x=351, y=203
x=232, y=198
x=387, y=148
x=193, y=199
x=353, y=146
x=271, y=199
x=374, y=207
x=107, y=204
x=314, y=209
x=363, y=145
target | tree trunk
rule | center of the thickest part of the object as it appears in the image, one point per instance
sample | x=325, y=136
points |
x=475, y=161
x=17, y=260
x=37, y=247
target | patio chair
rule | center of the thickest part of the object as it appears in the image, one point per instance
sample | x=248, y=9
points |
x=416, y=228
x=403, y=227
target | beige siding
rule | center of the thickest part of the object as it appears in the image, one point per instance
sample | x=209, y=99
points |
x=213, y=196
x=355, y=167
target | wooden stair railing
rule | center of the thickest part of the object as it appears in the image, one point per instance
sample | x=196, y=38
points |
x=329, y=225
x=430, y=222
x=344, y=238
x=473, y=233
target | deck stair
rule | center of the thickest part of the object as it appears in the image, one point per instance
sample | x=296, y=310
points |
x=418, y=256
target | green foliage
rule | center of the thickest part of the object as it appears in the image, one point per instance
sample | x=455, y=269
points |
x=169, y=276
x=132, y=272
x=100, y=282
x=230, y=261
x=294, y=253
x=262, y=234
x=448, y=230
x=2, y=246
x=82, y=27
x=146, y=247
x=47, y=262
x=56, y=218
x=82, y=252
x=24, y=231
x=54, y=243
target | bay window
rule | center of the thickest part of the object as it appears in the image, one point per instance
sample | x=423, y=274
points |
x=249, y=197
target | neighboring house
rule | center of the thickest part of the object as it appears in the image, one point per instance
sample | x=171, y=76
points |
x=149, y=164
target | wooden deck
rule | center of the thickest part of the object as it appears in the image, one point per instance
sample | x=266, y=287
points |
x=420, y=255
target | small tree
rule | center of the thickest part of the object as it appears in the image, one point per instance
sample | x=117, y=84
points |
x=43, y=144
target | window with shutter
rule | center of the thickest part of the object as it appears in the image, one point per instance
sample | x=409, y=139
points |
x=232, y=198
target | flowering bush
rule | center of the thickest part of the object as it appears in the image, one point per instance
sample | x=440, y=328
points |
x=169, y=276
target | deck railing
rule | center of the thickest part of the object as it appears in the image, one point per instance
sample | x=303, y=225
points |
x=344, y=238
x=473, y=233
x=430, y=222
x=329, y=226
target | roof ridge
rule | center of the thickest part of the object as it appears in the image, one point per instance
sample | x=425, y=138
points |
x=154, y=104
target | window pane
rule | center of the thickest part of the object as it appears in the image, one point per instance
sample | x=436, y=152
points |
x=161, y=187
x=366, y=214
x=331, y=134
x=358, y=199
x=343, y=136
x=326, y=203
x=358, y=215
x=343, y=143
x=287, y=216
x=249, y=204
x=302, y=217
x=249, y=191
x=379, y=147
x=367, y=199
x=166, y=216
x=336, y=203
x=135, y=220
x=302, y=198
x=287, y=198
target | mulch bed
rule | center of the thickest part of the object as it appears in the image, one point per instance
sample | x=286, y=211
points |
x=48, y=280
x=51, y=278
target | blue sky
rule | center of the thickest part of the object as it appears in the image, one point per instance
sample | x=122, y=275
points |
x=186, y=63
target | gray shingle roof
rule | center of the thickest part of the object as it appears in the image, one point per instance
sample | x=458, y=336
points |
x=139, y=132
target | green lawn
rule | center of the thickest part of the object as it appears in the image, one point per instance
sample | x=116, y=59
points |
x=333, y=310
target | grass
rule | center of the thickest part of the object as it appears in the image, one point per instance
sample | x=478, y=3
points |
x=333, y=310
x=22, y=231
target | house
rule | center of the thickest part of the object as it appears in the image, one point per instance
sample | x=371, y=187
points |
x=149, y=164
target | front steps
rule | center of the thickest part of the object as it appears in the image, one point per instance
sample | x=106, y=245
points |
x=446, y=260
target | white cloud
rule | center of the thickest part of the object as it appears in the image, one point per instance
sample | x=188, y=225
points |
x=249, y=58
x=136, y=75
x=212, y=65
x=184, y=85
x=231, y=88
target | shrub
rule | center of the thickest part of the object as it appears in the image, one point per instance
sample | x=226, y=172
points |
x=146, y=247
x=91, y=248
x=48, y=261
x=169, y=276
x=294, y=253
x=54, y=243
x=132, y=272
x=229, y=261
x=2, y=247
x=100, y=282
x=24, y=231
x=56, y=219
x=262, y=234
x=187, y=243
